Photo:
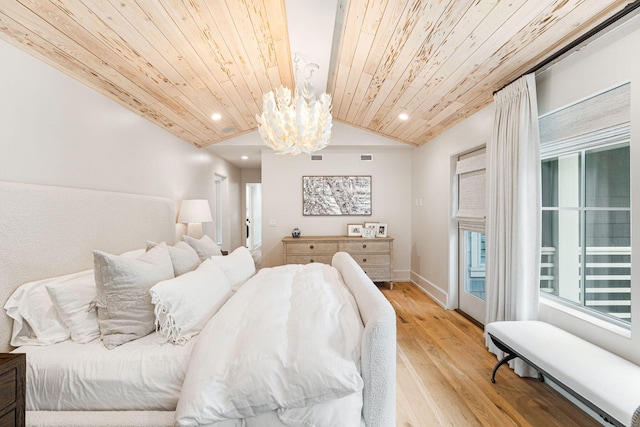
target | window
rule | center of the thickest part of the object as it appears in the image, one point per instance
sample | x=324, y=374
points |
x=474, y=249
x=586, y=214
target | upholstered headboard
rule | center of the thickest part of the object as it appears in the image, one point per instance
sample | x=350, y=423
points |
x=48, y=231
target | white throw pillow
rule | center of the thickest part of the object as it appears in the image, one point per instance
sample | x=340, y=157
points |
x=239, y=266
x=183, y=257
x=35, y=318
x=72, y=299
x=204, y=246
x=185, y=304
x=124, y=305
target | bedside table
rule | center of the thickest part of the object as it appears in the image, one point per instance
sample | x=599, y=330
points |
x=12, y=377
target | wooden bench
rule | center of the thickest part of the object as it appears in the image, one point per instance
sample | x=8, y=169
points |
x=603, y=381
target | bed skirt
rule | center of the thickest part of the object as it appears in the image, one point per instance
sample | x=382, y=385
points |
x=99, y=418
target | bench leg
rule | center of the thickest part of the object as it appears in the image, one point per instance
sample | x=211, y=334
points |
x=504, y=360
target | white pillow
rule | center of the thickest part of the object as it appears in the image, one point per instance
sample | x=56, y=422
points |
x=238, y=266
x=204, y=246
x=133, y=254
x=72, y=299
x=183, y=257
x=35, y=318
x=185, y=304
x=124, y=305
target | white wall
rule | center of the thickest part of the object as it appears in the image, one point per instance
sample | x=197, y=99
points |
x=602, y=64
x=391, y=195
x=433, y=236
x=56, y=131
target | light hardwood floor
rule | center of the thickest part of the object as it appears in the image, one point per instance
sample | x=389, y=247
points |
x=444, y=370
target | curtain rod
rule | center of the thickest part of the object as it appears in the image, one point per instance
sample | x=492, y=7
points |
x=630, y=7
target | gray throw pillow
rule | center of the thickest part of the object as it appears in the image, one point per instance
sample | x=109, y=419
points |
x=125, y=312
x=183, y=257
x=204, y=246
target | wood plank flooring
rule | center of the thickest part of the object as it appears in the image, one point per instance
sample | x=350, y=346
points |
x=444, y=370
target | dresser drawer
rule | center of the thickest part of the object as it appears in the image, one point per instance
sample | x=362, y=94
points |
x=8, y=381
x=307, y=248
x=364, y=246
x=306, y=259
x=371, y=259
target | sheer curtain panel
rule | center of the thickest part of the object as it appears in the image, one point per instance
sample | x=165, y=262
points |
x=513, y=209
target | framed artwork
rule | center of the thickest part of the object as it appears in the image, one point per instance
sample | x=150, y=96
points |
x=354, y=230
x=370, y=224
x=336, y=195
x=381, y=230
x=369, y=232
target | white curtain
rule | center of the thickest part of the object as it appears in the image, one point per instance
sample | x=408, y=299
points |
x=513, y=209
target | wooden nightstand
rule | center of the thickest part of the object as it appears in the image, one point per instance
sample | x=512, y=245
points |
x=12, y=377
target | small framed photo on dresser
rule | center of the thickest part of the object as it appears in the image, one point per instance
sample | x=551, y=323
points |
x=354, y=230
x=369, y=232
x=381, y=230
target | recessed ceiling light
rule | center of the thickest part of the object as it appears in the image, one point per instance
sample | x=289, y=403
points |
x=403, y=116
x=216, y=116
x=245, y=157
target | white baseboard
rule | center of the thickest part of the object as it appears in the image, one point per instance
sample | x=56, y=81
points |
x=435, y=293
x=401, y=275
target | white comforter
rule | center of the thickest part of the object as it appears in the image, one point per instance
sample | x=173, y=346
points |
x=289, y=341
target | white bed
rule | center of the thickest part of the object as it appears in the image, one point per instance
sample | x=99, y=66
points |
x=44, y=242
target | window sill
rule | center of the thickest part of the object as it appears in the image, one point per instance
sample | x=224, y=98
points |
x=585, y=317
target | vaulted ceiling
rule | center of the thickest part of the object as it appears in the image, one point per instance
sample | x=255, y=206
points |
x=176, y=62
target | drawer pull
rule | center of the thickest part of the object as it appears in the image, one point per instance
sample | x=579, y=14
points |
x=364, y=246
x=311, y=260
x=311, y=247
x=364, y=260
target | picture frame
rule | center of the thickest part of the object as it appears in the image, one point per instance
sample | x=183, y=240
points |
x=370, y=224
x=336, y=195
x=369, y=232
x=381, y=230
x=354, y=230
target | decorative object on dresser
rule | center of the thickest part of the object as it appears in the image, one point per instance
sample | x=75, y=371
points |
x=354, y=230
x=336, y=195
x=12, y=374
x=374, y=256
x=369, y=232
x=381, y=230
x=295, y=232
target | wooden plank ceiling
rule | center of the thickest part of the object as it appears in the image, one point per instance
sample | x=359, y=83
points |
x=176, y=62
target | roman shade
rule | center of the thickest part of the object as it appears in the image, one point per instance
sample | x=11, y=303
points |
x=470, y=169
x=599, y=119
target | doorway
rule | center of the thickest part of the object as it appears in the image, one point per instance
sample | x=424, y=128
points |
x=253, y=218
x=471, y=275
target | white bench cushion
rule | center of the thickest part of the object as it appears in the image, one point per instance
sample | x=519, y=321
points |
x=603, y=378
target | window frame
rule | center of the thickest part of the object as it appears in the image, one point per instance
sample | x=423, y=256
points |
x=582, y=210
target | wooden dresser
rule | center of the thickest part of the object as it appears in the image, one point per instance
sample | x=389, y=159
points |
x=12, y=377
x=373, y=255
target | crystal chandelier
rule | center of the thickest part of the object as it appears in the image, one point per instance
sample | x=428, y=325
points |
x=301, y=124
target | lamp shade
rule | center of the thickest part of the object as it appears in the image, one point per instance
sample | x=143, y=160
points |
x=196, y=210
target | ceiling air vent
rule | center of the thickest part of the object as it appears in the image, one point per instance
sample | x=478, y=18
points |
x=316, y=157
x=366, y=157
